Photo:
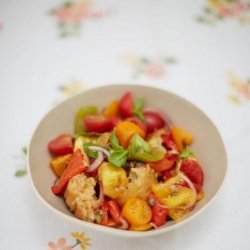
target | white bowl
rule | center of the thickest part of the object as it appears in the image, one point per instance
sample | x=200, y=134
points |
x=208, y=147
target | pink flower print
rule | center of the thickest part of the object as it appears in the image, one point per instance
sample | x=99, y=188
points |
x=72, y=13
x=154, y=70
x=61, y=244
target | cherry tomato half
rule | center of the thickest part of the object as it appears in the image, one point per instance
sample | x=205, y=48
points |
x=61, y=145
x=153, y=121
x=137, y=212
x=126, y=105
x=163, y=164
x=193, y=171
x=98, y=123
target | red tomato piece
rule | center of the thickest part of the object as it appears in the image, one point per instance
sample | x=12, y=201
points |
x=138, y=122
x=159, y=213
x=126, y=105
x=163, y=164
x=74, y=167
x=153, y=121
x=61, y=145
x=168, y=141
x=194, y=172
x=166, y=174
x=98, y=123
x=114, y=211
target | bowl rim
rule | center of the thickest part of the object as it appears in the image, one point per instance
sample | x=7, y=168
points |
x=115, y=231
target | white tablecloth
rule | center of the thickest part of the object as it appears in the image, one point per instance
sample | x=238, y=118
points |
x=52, y=49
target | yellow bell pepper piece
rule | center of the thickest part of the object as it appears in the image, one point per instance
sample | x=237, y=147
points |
x=181, y=137
x=112, y=109
x=59, y=164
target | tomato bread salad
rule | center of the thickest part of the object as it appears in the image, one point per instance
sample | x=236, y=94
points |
x=126, y=167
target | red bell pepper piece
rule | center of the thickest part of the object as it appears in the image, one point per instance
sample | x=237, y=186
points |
x=74, y=167
x=61, y=145
x=114, y=211
x=159, y=213
x=105, y=216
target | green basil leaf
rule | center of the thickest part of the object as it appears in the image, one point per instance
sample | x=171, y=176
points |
x=140, y=150
x=20, y=173
x=186, y=153
x=91, y=153
x=114, y=141
x=138, y=106
x=118, y=157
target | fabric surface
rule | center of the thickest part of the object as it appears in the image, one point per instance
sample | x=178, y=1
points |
x=50, y=50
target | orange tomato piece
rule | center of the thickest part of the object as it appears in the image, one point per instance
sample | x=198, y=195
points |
x=137, y=212
x=60, y=163
x=181, y=137
x=112, y=109
x=125, y=130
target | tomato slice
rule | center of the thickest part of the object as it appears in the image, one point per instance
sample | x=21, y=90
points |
x=126, y=105
x=137, y=212
x=138, y=122
x=159, y=213
x=74, y=167
x=153, y=121
x=61, y=145
x=98, y=123
x=193, y=171
x=163, y=164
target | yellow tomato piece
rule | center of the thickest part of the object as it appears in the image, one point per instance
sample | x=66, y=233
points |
x=177, y=214
x=125, y=130
x=112, y=109
x=181, y=137
x=60, y=163
x=161, y=190
x=179, y=196
x=137, y=212
x=114, y=179
x=145, y=227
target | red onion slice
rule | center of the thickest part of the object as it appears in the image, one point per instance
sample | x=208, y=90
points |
x=103, y=150
x=191, y=185
x=124, y=224
x=153, y=225
x=96, y=163
x=164, y=116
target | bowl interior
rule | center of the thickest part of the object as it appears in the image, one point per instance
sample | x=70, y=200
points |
x=207, y=147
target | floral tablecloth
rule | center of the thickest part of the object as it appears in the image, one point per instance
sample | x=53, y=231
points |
x=50, y=50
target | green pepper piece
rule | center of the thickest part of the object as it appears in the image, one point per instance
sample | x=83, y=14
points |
x=140, y=150
x=79, y=126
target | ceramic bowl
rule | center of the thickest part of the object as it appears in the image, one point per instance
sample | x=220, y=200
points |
x=208, y=147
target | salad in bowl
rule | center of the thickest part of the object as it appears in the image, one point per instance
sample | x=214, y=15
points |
x=126, y=166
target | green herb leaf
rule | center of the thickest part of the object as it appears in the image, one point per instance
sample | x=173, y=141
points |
x=114, y=141
x=138, y=106
x=186, y=153
x=91, y=153
x=118, y=157
x=20, y=172
x=24, y=150
x=140, y=150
